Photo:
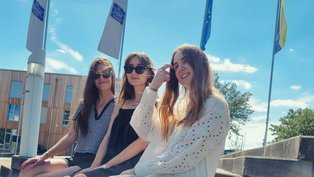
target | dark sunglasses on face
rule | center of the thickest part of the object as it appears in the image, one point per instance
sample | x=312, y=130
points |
x=138, y=69
x=105, y=74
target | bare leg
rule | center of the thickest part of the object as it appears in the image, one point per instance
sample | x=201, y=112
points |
x=48, y=166
x=80, y=175
x=61, y=173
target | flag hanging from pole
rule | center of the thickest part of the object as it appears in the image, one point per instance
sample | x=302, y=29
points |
x=206, y=24
x=281, y=28
x=36, y=27
x=110, y=42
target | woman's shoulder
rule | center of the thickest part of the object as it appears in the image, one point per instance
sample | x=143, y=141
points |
x=216, y=101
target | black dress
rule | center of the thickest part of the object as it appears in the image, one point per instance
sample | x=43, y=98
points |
x=122, y=135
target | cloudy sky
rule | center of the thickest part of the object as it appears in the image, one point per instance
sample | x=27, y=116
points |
x=240, y=46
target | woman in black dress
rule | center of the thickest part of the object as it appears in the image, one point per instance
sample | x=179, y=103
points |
x=121, y=147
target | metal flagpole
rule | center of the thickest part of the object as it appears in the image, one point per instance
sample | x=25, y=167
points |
x=271, y=81
x=46, y=25
x=121, y=50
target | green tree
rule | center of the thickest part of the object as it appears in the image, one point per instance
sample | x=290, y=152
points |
x=295, y=123
x=239, y=107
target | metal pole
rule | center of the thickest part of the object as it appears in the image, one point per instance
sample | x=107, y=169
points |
x=121, y=50
x=46, y=25
x=20, y=122
x=271, y=81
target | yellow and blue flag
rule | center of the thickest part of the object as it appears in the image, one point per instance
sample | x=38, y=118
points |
x=206, y=24
x=281, y=28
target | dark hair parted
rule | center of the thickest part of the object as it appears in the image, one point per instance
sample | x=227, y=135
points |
x=127, y=90
x=91, y=93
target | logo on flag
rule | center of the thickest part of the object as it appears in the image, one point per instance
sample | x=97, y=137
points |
x=38, y=11
x=118, y=13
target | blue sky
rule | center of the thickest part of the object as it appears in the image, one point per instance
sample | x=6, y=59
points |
x=240, y=46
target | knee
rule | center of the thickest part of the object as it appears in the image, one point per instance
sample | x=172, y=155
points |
x=27, y=172
x=80, y=175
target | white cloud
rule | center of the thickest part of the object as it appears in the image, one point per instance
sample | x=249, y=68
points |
x=289, y=103
x=302, y=102
x=228, y=66
x=243, y=83
x=295, y=87
x=54, y=65
x=258, y=105
x=213, y=59
x=253, y=133
x=63, y=48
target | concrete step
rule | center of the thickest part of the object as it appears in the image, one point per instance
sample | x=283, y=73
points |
x=225, y=173
x=299, y=147
x=251, y=166
x=8, y=172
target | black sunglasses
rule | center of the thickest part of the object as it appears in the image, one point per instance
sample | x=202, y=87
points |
x=138, y=69
x=105, y=74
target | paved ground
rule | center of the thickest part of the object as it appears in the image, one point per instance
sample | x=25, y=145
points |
x=6, y=161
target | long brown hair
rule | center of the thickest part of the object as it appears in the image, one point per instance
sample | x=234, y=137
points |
x=202, y=87
x=91, y=93
x=127, y=90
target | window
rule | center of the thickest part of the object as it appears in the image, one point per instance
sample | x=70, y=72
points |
x=13, y=112
x=43, y=116
x=68, y=94
x=46, y=92
x=65, y=120
x=16, y=89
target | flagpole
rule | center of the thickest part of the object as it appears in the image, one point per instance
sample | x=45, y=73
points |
x=121, y=50
x=271, y=79
x=34, y=81
x=46, y=25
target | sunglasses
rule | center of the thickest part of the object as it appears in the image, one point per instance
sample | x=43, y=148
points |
x=138, y=69
x=105, y=74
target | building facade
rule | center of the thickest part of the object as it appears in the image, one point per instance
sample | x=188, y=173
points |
x=61, y=95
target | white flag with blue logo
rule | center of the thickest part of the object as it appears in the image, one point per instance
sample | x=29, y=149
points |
x=36, y=27
x=110, y=42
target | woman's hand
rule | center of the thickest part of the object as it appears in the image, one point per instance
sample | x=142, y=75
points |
x=128, y=172
x=33, y=162
x=161, y=76
x=105, y=166
x=85, y=170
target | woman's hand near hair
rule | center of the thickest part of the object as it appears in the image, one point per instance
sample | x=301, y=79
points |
x=161, y=76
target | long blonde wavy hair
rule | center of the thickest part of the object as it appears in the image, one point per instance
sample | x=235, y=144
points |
x=202, y=87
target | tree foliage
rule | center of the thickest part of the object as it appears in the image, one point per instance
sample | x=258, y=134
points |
x=239, y=107
x=295, y=123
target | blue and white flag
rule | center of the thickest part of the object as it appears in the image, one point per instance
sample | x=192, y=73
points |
x=281, y=28
x=110, y=42
x=206, y=24
x=36, y=27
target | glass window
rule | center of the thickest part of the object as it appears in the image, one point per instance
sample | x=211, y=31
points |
x=46, y=92
x=13, y=112
x=16, y=89
x=65, y=121
x=68, y=94
x=43, y=116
